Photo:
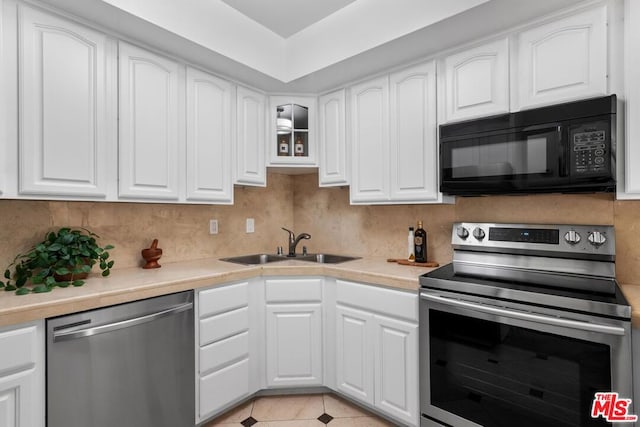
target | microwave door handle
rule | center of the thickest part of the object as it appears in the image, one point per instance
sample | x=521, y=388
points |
x=544, y=126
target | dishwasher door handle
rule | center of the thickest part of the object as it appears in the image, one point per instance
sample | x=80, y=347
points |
x=530, y=317
x=87, y=332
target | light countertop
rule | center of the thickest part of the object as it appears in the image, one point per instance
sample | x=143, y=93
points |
x=136, y=283
x=131, y=284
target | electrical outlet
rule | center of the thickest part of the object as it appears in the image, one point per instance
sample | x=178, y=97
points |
x=251, y=225
x=213, y=226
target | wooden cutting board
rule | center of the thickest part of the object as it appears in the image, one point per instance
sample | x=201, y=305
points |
x=403, y=261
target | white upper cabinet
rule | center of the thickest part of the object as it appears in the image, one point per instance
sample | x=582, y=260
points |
x=292, y=138
x=393, y=137
x=413, y=142
x=64, y=115
x=628, y=171
x=370, y=141
x=209, y=141
x=563, y=60
x=333, y=158
x=475, y=82
x=150, y=136
x=250, y=138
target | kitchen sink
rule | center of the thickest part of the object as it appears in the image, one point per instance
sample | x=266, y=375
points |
x=327, y=258
x=257, y=259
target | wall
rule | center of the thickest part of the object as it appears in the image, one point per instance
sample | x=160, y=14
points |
x=335, y=226
x=296, y=202
x=182, y=230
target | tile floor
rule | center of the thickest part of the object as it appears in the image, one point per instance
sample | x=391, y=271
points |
x=298, y=411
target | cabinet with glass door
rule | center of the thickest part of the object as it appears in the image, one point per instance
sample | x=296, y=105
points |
x=291, y=138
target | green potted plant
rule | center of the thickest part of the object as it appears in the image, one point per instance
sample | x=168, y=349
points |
x=62, y=259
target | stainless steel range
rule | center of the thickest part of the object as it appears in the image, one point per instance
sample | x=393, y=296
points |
x=523, y=328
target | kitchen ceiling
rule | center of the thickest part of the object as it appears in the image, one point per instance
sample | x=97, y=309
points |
x=335, y=41
x=287, y=17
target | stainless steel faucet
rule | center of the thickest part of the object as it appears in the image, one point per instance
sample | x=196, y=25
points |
x=293, y=241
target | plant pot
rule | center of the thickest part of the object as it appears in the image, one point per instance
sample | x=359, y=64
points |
x=71, y=276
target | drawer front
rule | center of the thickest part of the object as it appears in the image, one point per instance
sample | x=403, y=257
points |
x=382, y=300
x=224, y=298
x=216, y=355
x=23, y=345
x=224, y=325
x=293, y=290
x=223, y=387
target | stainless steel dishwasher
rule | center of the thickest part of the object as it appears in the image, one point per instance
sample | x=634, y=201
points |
x=129, y=365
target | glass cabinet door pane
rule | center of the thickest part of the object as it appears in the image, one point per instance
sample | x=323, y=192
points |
x=300, y=117
x=301, y=144
x=284, y=144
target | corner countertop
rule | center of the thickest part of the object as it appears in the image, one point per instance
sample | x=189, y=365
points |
x=632, y=293
x=131, y=284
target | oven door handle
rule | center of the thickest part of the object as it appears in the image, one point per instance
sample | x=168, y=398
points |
x=531, y=317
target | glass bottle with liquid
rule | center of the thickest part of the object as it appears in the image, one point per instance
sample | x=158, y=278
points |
x=420, y=244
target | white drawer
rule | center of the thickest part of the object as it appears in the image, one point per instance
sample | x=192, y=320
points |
x=403, y=304
x=216, y=355
x=293, y=290
x=18, y=347
x=224, y=325
x=223, y=298
x=223, y=387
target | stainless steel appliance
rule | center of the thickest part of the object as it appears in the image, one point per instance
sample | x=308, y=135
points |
x=561, y=148
x=130, y=365
x=523, y=327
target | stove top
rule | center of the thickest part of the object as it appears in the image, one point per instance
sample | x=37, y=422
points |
x=569, y=267
x=585, y=301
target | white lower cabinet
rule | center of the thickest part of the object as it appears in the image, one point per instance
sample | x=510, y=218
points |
x=354, y=353
x=223, y=348
x=377, y=348
x=396, y=367
x=22, y=383
x=293, y=332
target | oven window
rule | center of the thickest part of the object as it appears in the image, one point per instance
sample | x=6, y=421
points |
x=511, y=157
x=499, y=375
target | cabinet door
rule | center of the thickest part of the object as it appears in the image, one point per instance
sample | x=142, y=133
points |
x=354, y=353
x=628, y=186
x=563, y=60
x=250, y=155
x=413, y=142
x=149, y=125
x=63, y=107
x=396, y=368
x=332, y=140
x=292, y=139
x=22, y=376
x=294, y=345
x=209, y=144
x=476, y=82
x=370, y=141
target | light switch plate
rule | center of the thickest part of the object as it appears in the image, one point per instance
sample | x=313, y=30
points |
x=251, y=227
x=213, y=226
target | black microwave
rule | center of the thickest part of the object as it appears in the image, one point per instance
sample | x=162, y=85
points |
x=568, y=148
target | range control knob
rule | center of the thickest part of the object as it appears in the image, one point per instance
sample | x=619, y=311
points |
x=596, y=238
x=478, y=233
x=462, y=232
x=572, y=237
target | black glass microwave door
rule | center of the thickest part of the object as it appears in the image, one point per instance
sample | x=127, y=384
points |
x=498, y=375
x=507, y=161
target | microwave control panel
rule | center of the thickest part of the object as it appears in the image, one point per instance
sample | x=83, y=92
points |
x=589, y=151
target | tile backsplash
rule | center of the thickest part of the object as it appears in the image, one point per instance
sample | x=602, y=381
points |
x=296, y=202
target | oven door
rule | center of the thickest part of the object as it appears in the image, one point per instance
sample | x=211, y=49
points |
x=517, y=161
x=484, y=364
